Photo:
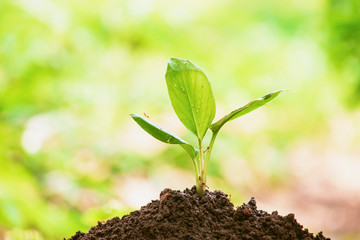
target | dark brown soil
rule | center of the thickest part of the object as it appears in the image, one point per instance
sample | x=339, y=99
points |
x=184, y=215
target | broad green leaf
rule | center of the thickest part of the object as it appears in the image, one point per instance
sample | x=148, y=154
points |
x=163, y=135
x=191, y=95
x=251, y=106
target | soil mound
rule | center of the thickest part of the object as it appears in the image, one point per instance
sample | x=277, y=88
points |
x=185, y=215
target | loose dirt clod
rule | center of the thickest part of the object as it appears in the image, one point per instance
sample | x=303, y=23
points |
x=185, y=215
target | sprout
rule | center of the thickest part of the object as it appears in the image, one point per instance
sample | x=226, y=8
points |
x=194, y=104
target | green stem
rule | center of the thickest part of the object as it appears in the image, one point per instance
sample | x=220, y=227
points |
x=211, y=144
x=201, y=187
x=196, y=172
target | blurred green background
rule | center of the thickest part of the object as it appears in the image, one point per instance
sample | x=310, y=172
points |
x=71, y=72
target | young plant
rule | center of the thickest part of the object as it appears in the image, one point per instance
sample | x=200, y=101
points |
x=194, y=104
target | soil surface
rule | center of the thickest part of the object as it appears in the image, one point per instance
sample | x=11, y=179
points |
x=185, y=215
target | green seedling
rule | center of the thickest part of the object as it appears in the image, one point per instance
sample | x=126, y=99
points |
x=194, y=104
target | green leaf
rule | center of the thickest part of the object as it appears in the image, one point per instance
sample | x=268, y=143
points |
x=251, y=106
x=191, y=95
x=163, y=135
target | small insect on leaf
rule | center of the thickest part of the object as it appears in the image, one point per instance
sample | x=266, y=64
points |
x=206, y=149
x=146, y=115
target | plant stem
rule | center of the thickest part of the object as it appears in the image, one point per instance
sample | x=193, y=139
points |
x=196, y=172
x=211, y=144
x=201, y=188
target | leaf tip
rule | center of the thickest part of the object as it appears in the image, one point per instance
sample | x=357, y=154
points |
x=272, y=94
x=177, y=64
x=283, y=90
